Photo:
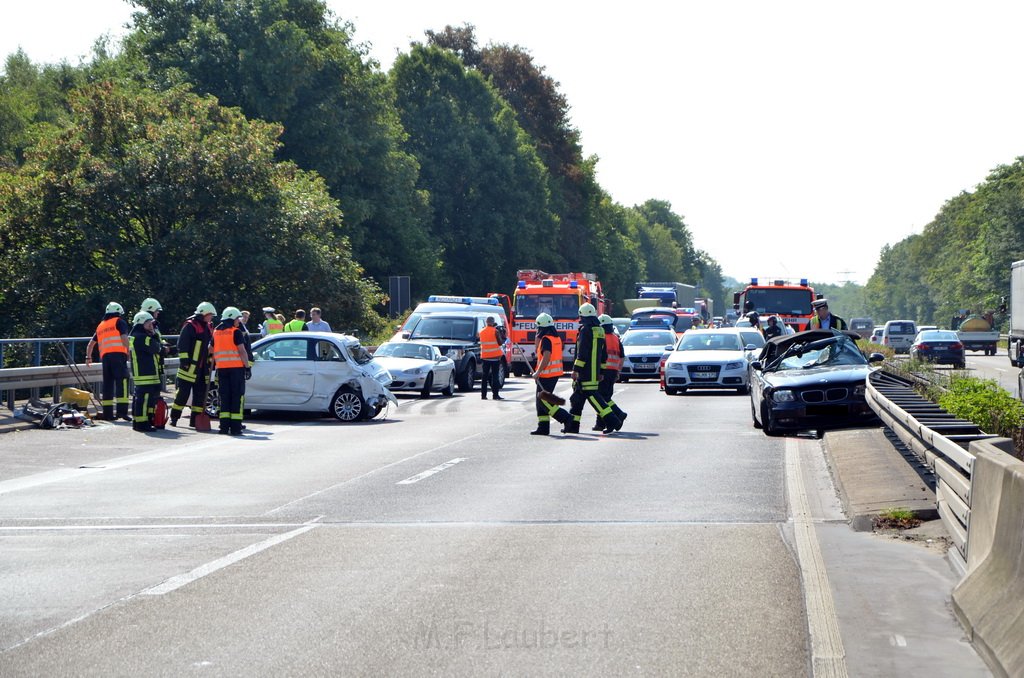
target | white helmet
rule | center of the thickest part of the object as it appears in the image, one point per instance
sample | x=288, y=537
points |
x=545, y=320
x=206, y=308
x=142, y=317
x=605, y=319
x=114, y=307
x=269, y=309
x=231, y=313
x=151, y=305
x=588, y=311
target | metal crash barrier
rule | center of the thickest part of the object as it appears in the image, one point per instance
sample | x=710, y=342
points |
x=940, y=439
x=56, y=377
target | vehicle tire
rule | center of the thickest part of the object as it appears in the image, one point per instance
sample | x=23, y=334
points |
x=520, y=370
x=427, y=385
x=464, y=380
x=960, y=366
x=624, y=380
x=212, y=405
x=502, y=374
x=742, y=390
x=348, y=405
x=766, y=421
x=449, y=390
x=670, y=391
x=753, y=414
x=372, y=412
x=682, y=390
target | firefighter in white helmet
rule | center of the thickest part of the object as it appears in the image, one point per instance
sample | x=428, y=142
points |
x=232, y=362
x=194, y=341
x=586, y=373
x=112, y=338
x=548, y=370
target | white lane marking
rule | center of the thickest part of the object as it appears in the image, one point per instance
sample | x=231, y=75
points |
x=376, y=470
x=61, y=475
x=175, y=583
x=828, y=657
x=429, y=472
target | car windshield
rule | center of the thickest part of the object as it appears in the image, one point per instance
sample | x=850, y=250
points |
x=648, y=338
x=770, y=301
x=430, y=327
x=938, y=335
x=404, y=350
x=836, y=350
x=360, y=354
x=556, y=305
x=901, y=328
x=709, y=341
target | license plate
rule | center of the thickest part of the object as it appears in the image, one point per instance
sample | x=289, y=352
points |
x=703, y=375
x=645, y=368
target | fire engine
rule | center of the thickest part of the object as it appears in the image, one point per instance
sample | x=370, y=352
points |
x=558, y=294
x=789, y=300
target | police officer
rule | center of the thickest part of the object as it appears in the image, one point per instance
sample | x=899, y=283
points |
x=774, y=329
x=112, y=338
x=271, y=325
x=490, y=358
x=232, y=364
x=609, y=370
x=822, y=318
x=549, y=368
x=586, y=373
x=145, y=348
x=194, y=362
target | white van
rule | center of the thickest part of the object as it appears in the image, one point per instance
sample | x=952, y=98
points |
x=899, y=335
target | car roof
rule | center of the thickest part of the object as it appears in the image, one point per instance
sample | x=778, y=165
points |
x=346, y=339
x=784, y=340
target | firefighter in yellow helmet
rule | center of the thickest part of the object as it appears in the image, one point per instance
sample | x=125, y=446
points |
x=232, y=362
x=586, y=373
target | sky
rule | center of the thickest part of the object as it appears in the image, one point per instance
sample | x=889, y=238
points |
x=796, y=139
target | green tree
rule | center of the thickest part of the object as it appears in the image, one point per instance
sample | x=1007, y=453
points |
x=490, y=199
x=170, y=195
x=292, y=62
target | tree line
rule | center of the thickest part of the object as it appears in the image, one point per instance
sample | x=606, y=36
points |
x=248, y=152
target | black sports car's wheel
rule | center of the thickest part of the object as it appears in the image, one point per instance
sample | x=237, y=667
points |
x=766, y=421
x=348, y=405
x=427, y=385
x=753, y=414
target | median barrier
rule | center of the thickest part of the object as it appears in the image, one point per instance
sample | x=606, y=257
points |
x=989, y=601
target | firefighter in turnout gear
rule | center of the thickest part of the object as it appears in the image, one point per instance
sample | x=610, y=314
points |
x=112, y=338
x=194, y=362
x=548, y=370
x=586, y=373
x=144, y=346
x=233, y=367
x=152, y=307
x=610, y=371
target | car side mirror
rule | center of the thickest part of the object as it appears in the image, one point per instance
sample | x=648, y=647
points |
x=406, y=334
x=876, y=358
x=670, y=348
x=757, y=365
x=750, y=347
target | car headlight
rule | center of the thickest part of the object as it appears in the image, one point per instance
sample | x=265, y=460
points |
x=676, y=366
x=783, y=396
x=415, y=370
x=738, y=365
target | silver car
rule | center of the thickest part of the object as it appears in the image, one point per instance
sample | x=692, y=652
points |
x=415, y=366
x=643, y=349
x=712, y=358
x=315, y=372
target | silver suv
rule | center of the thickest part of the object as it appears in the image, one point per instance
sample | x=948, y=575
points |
x=899, y=335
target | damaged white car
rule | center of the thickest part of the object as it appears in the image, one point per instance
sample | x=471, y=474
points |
x=315, y=372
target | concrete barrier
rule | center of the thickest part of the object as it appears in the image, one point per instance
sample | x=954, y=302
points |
x=989, y=601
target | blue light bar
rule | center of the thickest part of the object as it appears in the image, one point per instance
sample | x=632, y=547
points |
x=803, y=282
x=753, y=281
x=573, y=285
x=521, y=284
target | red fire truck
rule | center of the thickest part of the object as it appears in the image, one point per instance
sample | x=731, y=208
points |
x=558, y=294
x=789, y=300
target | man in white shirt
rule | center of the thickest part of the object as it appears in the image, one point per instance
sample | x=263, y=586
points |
x=316, y=323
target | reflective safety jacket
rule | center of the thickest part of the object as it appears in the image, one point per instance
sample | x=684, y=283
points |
x=613, y=347
x=194, y=346
x=554, y=367
x=294, y=325
x=108, y=336
x=225, y=348
x=273, y=326
x=490, y=347
x=834, y=322
x=590, y=353
x=145, y=352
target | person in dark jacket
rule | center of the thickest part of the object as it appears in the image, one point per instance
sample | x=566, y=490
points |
x=112, y=338
x=774, y=329
x=586, y=373
x=610, y=370
x=194, y=341
x=823, y=318
x=145, y=348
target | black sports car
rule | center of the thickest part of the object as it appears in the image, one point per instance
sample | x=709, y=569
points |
x=810, y=380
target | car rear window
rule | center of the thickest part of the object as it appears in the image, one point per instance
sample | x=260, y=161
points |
x=902, y=328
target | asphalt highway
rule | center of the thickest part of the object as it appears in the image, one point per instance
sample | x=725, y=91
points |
x=444, y=539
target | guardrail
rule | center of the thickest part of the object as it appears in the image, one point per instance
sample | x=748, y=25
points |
x=941, y=440
x=55, y=377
